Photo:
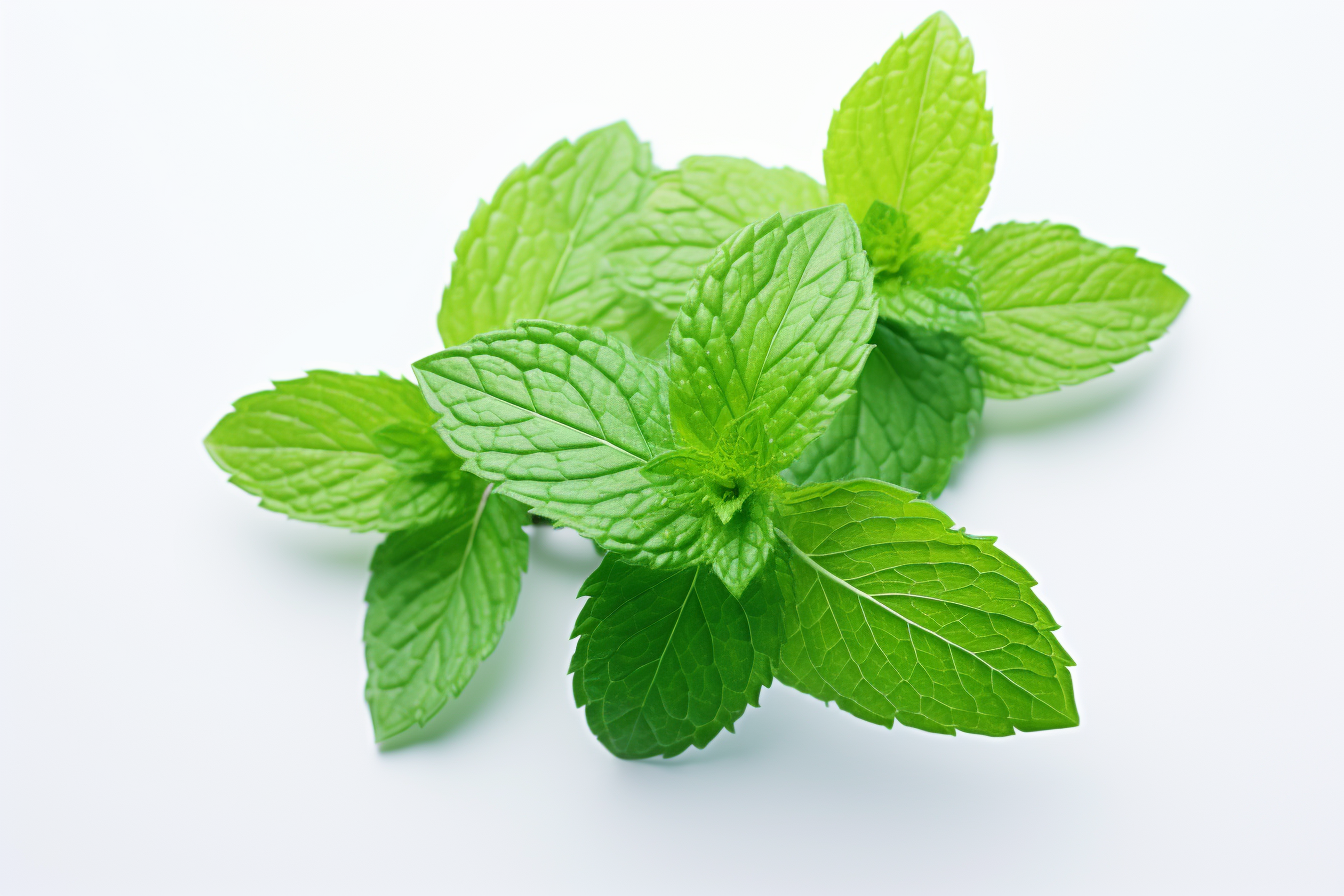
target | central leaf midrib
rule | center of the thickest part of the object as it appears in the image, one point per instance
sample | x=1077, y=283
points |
x=766, y=367
x=560, y=266
x=919, y=116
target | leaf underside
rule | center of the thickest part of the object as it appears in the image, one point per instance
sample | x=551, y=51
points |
x=438, y=601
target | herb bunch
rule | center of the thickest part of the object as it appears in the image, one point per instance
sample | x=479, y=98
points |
x=737, y=383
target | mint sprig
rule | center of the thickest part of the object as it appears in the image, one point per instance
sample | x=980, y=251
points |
x=738, y=390
x=939, y=629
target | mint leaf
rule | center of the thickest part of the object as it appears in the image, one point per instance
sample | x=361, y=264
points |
x=932, y=290
x=341, y=449
x=666, y=660
x=1060, y=309
x=438, y=601
x=739, y=545
x=536, y=250
x=887, y=237
x=914, y=133
x=776, y=324
x=564, y=419
x=899, y=618
x=917, y=408
x=691, y=210
x=730, y=494
x=936, y=290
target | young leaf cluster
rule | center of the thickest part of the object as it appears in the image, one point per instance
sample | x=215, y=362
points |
x=736, y=381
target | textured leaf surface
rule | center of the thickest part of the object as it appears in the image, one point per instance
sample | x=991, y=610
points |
x=899, y=618
x=739, y=547
x=691, y=210
x=1060, y=309
x=777, y=324
x=935, y=291
x=564, y=418
x=668, y=659
x=438, y=600
x=536, y=249
x=914, y=133
x=341, y=449
x=887, y=237
x=916, y=409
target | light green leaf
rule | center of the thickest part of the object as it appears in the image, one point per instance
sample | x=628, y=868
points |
x=438, y=600
x=1060, y=309
x=564, y=419
x=732, y=501
x=417, y=499
x=341, y=449
x=691, y=210
x=914, y=133
x=536, y=250
x=777, y=324
x=668, y=659
x=917, y=408
x=897, y=617
x=887, y=238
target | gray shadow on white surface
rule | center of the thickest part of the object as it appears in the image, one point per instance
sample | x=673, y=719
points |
x=561, y=551
x=1094, y=398
x=488, y=684
x=319, y=545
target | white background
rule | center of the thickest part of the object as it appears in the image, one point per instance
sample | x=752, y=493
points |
x=198, y=198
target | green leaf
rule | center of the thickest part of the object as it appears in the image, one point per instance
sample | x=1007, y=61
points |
x=776, y=324
x=739, y=545
x=1060, y=309
x=887, y=237
x=914, y=133
x=564, y=419
x=691, y=210
x=935, y=291
x=536, y=250
x=341, y=449
x=897, y=617
x=917, y=408
x=668, y=659
x=438, y=600
x=729, y=496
